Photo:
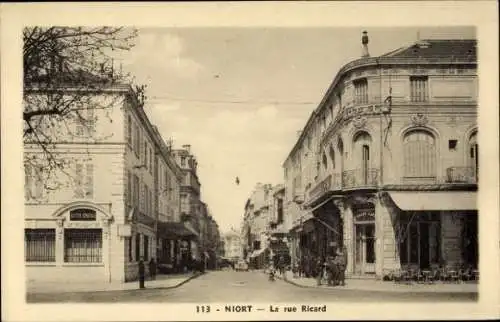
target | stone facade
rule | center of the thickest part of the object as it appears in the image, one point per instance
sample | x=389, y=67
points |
x=403, y=122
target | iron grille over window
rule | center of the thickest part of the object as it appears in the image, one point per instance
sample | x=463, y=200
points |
x=39, y=245
x=83, y=245
x=419, y=89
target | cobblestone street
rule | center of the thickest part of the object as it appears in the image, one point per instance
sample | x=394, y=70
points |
x=244, y=287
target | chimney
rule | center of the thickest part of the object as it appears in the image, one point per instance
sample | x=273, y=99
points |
x=364, y=41
x=187, y=147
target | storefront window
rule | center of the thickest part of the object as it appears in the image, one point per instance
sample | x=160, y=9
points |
x=39, y=245
x=83, y=245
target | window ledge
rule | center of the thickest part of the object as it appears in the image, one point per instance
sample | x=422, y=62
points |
x=83, y=264
x=38, y=264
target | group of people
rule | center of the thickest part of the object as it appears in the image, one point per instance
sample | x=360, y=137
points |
x=330, y=268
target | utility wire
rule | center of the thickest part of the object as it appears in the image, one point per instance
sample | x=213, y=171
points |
x=276, y=102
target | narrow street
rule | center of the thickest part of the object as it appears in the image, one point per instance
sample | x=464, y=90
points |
x=245, y=287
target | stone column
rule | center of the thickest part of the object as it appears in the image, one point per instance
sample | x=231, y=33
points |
x=348, y=229
x=380, y=214
x=108, y=251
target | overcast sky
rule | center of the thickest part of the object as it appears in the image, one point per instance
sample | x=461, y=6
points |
x=238, y=96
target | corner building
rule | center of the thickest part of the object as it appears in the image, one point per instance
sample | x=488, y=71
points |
x=387, y=165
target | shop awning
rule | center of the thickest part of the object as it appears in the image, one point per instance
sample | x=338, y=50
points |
x=435, y=200
x=173, y=230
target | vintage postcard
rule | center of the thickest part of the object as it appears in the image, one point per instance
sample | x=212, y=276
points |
x=253, y=161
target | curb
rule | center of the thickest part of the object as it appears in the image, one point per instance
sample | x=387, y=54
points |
x=181, y=283
x=122, y=290
x=365, y=290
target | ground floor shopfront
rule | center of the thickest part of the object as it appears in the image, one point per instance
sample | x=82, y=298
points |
x=95, y=241
x=382, y=232
x=77, y=241
x=175, y=246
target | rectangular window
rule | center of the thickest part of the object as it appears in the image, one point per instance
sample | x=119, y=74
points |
x=361, y=91
x=33, y=186
x=83, y=245
x=130, y=247
x=145, y=155
x=151, y=161
x=146, y=248
x=85, y=122
x=129, y=188
x=280, y=211
x=84, y=180
x=78, y=191
x=419, y=89
x=89, y=181
x=40, y=245
x=137, y=246
x=137, y=140
x=136, y=191
x=129, y=130
x=145, y=199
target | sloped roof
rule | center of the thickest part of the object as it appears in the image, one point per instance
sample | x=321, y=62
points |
x=437, y=48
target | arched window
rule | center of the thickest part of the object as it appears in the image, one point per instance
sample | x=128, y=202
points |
x=332, y=157
x=419, y=155
x=362, y=142
x=340, y=146
x=325, y=161
x=473, y=158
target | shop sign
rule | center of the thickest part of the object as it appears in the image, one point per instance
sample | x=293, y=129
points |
x=82, y=225
x=364, y=214
x=82, y=215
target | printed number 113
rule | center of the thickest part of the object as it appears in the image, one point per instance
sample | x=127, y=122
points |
x=202, y=309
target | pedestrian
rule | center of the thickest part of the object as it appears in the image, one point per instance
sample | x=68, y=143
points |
x=281, y=265
x=141, y=273
x=152, y=269
x=332, y=269
x=342, y=255
x=319, y=267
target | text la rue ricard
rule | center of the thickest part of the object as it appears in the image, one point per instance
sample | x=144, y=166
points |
x=254, y=308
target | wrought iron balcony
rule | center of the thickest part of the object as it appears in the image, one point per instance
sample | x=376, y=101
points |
x=360, y=178
x=461, y=175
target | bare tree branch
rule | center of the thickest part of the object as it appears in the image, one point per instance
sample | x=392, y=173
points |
x=67, y=72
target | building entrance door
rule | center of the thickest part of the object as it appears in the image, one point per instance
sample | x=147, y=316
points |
x=364, y=248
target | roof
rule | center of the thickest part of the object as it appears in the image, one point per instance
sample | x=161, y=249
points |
x=437, y=48
x=446, y=50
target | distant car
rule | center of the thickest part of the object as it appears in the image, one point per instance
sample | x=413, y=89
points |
x=241, y=265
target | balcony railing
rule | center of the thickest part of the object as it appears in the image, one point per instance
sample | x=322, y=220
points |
x=461, y=175
x=360, y=178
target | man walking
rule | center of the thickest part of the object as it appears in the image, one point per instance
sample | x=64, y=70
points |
x=342, y=264
x=152, y=269
x=141, y=274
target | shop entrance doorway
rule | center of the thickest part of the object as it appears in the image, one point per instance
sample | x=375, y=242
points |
x=364, y=250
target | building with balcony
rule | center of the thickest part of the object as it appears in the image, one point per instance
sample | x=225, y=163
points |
x=256, y=225
x=190, y=198
x=387, y=164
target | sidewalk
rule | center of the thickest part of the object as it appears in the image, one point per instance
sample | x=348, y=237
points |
x=161, y=282
x=383, y=286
